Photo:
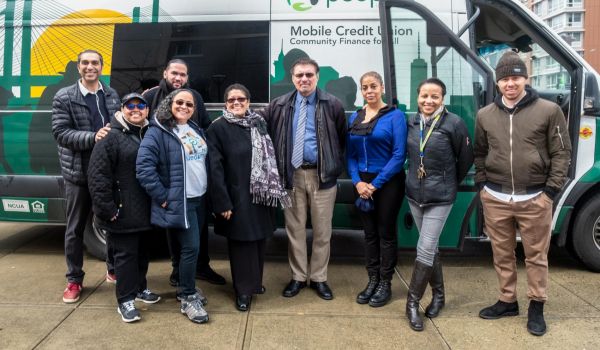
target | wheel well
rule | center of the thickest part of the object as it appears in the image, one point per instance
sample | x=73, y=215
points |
x=592, y=191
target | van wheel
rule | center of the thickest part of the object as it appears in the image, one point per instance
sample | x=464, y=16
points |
x=94, y=239
x=586, y=234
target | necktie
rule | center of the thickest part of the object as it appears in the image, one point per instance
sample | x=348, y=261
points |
x=298, y=152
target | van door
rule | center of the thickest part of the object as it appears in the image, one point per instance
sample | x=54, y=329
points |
x=417, y=45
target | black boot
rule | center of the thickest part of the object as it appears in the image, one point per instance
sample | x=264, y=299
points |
x=364, y=296
x=436, y=282
x=382, y=294
x=418, y=283
x=535, y=318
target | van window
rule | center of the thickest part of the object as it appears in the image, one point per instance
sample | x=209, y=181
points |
x=218, y=54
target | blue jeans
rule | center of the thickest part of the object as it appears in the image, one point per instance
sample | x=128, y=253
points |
x=189, y=240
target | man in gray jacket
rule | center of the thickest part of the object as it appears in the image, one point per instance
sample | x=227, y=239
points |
x=522, y=155
x=80, y=118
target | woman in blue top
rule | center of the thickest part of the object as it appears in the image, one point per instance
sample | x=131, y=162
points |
x=375, y=152
x=171, y=166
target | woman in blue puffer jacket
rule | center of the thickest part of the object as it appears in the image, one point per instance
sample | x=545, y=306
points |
x=172, y=167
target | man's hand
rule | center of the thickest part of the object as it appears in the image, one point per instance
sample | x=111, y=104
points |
x=227, y=214
x=102, y=132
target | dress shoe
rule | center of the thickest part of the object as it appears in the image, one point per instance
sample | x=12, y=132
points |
x=500, y=309
x=293, y=288
x=323, y=290
x=262, y=290
x=209, y=275
x=242, y=302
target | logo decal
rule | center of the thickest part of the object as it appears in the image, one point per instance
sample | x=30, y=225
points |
x=585, y=132
x=301, y=6
x=15, y=205
x=38, y=207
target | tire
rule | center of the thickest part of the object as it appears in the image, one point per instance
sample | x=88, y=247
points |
x=586, y=234
x=94, y=239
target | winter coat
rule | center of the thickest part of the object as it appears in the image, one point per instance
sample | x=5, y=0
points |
x=525, y=151
x=160, y=169
x=72, y=128
x=230, y=150
x=448, y=157
x=381, y=152
x=112, y=182
x=330, y=123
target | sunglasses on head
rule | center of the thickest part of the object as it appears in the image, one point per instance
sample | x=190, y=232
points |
x=182, y=102
x=308, y=75
x=131, y=106
x=239, y=99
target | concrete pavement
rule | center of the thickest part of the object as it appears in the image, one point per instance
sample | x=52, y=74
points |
x=33, y=316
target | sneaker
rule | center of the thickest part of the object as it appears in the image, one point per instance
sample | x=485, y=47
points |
x=209, y=275
x=200, y=294
x=192, y=307
x=72, y=292
x=500, y=309
x=111, y=278
x=147, y=297
x=128, y=312
x=535, y=318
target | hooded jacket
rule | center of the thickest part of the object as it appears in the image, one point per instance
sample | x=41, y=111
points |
x=160, y=169
x=112, y=182
x=522, y=150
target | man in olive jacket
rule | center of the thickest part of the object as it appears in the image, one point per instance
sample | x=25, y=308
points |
x=522, y=155
x=308, y=129
x=80, y=117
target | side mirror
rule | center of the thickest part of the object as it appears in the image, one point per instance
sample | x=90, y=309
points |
x=591, y=98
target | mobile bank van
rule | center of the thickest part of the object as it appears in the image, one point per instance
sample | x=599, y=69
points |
x=255, y=43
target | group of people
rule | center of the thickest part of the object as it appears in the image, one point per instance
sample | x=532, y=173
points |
x=156, y=160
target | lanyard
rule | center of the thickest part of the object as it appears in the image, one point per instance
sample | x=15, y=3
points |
x=422, y=141
x=421, y=173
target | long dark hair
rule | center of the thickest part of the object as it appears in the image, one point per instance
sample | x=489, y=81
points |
x=164, y=114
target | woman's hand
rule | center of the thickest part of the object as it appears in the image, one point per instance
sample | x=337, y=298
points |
x=227, y=214
x=164, y=205
x=371, y=188
x=363, y=190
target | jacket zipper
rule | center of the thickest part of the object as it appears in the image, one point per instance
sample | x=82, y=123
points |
x=512, y=176
x=366, y=156
x=99, y=111
x=560, y=136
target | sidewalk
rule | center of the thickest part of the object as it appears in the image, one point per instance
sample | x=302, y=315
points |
x=32, y=314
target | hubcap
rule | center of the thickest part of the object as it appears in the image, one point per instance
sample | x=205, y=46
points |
x=596, y=233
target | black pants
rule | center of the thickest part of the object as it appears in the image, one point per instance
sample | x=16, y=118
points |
x=381, y=232
x=79, y=207
x=247, y=260
x=110, y=258
x=131, y=263
x=203, y=258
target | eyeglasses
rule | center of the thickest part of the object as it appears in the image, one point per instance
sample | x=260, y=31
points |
x=239, y=99
x=182, y=102
x=132, y=106
x=308, y=75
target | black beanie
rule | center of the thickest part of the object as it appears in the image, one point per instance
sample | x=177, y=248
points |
x=510, y=64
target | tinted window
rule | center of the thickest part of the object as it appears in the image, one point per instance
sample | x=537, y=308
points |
x=218, y=54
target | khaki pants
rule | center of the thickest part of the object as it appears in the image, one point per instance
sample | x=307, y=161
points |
x=307, y=196
x=534, y=220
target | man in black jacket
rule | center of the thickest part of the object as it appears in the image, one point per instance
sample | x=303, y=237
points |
x=175, y=76
x=308, y=129
x=80, y=118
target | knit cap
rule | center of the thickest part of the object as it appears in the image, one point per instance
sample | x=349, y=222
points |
x=510, y=64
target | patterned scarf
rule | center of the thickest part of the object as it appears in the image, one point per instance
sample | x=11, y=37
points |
x=265, y=185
